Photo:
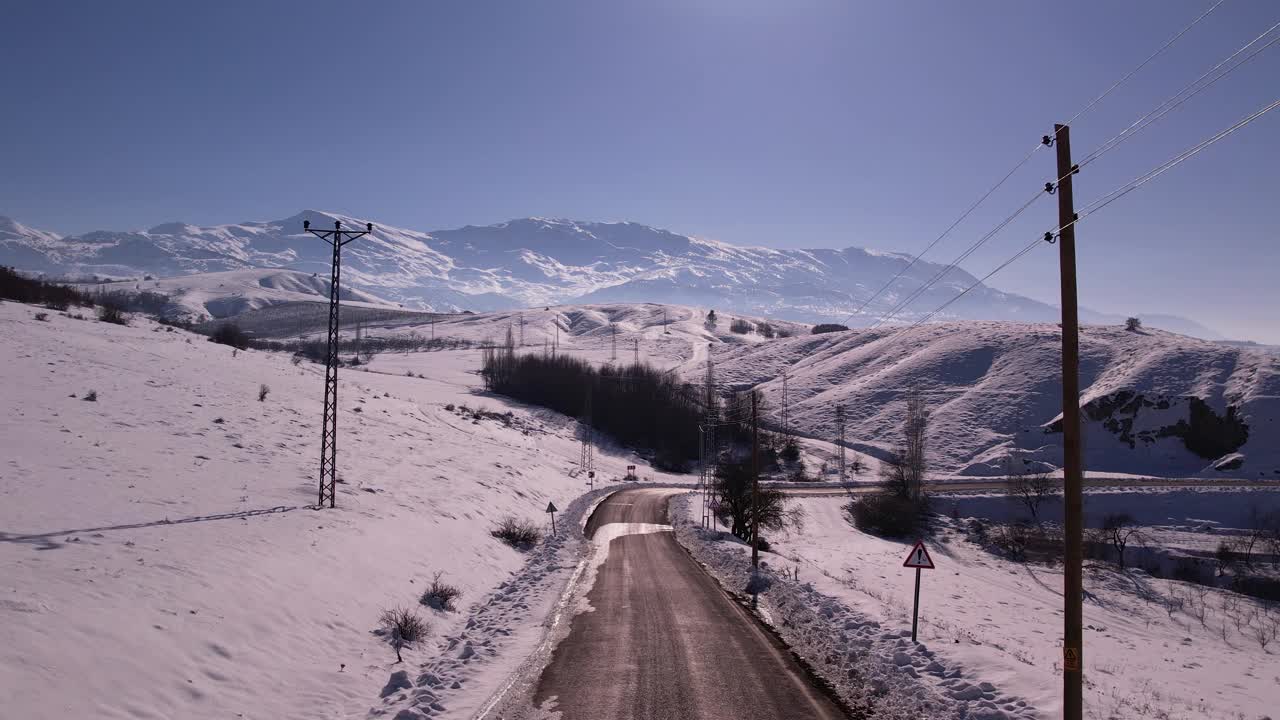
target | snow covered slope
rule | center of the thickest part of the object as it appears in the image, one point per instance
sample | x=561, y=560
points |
x=158, y=558
x=539, y=262
x=202, y=296
x=1150, y=397
x=1156, y=403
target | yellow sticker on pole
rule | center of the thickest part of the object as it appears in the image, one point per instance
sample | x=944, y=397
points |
x=1071, y=658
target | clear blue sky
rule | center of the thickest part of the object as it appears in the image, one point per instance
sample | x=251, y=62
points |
x=797, y=123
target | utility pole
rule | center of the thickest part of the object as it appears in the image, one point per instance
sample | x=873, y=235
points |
x=755, y=486
x=664, y=322
x=521, y=329
x=337, y=237
x=613, y=332
x=840, y=438
x=636, y=349
x=1073, y=471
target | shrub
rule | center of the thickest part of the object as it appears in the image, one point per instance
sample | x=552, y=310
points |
x=1133, y=324
x=1266, y=588
x=113, y=313
x=828, y=328
x=790, y=451
x=42, y=317
x=887, y=514
x=518, y=533
x=262, y=392
x=1022, y=542
x=440, y=595
x=91, y=396
x=740, y=326
x=230, y=334
x=403, y=628
x=765, y=330
x=1188, y=569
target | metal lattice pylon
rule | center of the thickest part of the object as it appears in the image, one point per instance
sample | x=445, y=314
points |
x=337, y=237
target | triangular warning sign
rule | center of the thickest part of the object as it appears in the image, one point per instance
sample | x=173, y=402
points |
x=919, y=557
x=551, y=507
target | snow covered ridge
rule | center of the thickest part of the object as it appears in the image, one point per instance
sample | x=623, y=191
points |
x=1155, y=403
x=537, y=262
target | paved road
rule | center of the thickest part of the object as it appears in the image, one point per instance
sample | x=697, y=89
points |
x=997, y=485
x=664, y=642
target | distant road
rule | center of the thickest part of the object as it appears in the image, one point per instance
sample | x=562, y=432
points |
x=663, y=640
x=998, y=485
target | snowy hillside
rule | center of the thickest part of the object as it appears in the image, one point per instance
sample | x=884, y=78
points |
x=540, y=262
x=232, y=292
x=159, y=556
x=992, y=389
x=1155, y=403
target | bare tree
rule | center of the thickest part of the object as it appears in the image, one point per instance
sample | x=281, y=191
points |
x=1225, y=556
x=914, y=464
x=1117, y=530
x=1029, y=489
x=1264, y=531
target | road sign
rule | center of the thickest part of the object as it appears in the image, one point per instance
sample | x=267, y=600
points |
x=919, y=558
x=551, y=508
x=1071, y=658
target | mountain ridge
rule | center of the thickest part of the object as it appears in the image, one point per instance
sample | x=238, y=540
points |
x=544, y=261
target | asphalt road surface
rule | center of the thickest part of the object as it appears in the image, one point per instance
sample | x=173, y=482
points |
x=664, y=642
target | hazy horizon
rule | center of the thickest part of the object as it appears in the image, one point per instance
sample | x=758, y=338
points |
x=817, y=124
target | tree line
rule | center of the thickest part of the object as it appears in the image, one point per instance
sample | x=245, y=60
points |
x=637, y=404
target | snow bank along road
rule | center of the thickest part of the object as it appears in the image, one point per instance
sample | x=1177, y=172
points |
x=664, y=641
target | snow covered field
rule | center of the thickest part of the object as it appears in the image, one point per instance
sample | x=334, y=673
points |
x=990, y=629
x=158, y=557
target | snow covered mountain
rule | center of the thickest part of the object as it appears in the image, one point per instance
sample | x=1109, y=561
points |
x=1153, y=402
x=536, y=261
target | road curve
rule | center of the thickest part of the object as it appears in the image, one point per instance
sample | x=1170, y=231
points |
x=663, y=640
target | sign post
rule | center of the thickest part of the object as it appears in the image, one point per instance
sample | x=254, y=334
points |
x=591, y=479
x=919, y=559
x=551, y=508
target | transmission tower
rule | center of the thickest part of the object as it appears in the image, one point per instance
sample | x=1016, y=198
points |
x=587, y=460
x=521, y=329
x=337, y=237
x=710, y=451
x=840, y=438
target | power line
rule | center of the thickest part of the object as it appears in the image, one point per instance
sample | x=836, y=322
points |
x=1092, y=208
x=1169, y=164
x=1177, y=98
x=916, y=258
x=1144, y=63
x=954, y=263
x=965, y=214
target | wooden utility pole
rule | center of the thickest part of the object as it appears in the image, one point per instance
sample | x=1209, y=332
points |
x=1073, y=471
x=755, y=485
